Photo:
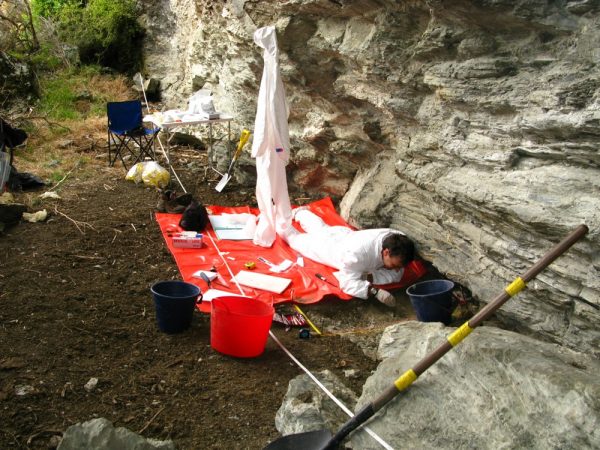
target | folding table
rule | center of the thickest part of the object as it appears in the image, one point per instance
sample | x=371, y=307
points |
x=189, y=121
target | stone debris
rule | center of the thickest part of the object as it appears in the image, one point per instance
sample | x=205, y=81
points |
x=100, y=434
x=22, y=390
x=91, y=384
x=39, y=216
x=51, y=194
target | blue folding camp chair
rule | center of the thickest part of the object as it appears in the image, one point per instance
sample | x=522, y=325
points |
x=127, y=134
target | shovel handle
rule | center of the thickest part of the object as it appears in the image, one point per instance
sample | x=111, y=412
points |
x=408, y=377
x=243, y=139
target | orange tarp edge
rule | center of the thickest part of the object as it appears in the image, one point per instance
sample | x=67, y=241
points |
x=305, y=287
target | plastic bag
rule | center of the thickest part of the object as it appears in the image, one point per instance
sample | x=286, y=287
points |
x=155, y=175
x=135, y=173
x=201, y=102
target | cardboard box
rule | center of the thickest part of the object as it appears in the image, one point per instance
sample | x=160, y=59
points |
x=187, y=240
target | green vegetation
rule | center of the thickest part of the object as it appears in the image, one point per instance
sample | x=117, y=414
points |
x=66, y=46
x=45, y=59
x=62, y=92
x=106, y=32
x=58, y=98
x=63, y=41
x=47, y=8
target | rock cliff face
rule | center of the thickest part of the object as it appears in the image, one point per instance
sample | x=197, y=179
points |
x=473, y=126
x=513, y=392
x=16, y=82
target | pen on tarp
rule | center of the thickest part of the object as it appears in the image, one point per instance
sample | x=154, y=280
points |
x=322, y=278
x=266, y=261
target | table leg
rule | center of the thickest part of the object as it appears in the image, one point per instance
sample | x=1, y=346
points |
x=229, y=150
x=210, y=145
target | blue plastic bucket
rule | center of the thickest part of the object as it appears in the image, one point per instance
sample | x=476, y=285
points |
x=175, y=302
x=432, y=300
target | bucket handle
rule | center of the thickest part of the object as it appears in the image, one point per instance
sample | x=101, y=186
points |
x=199, y=299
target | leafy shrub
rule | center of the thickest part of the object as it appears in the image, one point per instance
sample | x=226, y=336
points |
x=47, y=8
x=106, y=32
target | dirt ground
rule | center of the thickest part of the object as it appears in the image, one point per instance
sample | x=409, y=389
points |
x=75, y=304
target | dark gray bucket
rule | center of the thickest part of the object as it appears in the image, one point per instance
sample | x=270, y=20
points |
x=432, y=300
x=175, y=302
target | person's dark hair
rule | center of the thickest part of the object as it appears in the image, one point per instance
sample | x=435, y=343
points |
x=399, y=245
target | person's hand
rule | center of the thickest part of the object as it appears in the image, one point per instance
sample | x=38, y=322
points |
x=386, y=298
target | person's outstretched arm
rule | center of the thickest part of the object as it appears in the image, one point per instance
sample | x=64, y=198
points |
x=386, y=276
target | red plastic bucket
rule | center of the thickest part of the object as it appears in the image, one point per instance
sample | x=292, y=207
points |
x=239, y=326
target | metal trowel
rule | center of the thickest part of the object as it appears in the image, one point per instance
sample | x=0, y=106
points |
x=227, y=176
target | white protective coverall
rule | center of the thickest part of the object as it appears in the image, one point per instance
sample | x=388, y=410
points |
x=353, y=253
x=271, y=145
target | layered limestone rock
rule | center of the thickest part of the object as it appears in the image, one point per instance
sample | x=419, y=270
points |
x=473, y=126
x=497, y=389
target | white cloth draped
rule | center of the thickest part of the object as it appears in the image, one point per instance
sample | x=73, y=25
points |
x=271, y=145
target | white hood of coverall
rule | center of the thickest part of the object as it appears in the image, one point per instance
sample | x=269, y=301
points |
x=271, y=144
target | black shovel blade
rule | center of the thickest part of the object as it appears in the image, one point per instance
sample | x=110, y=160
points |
x=310, y=440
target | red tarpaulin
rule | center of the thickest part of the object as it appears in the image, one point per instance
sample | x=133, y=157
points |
x=304, y=288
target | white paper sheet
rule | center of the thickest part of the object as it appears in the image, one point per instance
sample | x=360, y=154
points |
x=235, y=227
x=210, y=294
x=210, y=275
x=262, y=281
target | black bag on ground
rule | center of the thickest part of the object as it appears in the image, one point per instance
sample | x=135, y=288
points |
x=194, y=218
x=23, y=181
x=10, y=137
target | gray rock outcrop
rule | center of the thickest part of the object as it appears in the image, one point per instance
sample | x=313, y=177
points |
x=100, y=434
x=307, y=408
x=497, y=389
x=473, y=126
x=17, y=81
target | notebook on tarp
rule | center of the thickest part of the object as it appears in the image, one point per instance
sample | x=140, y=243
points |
x=262, y=281
x=233, y=227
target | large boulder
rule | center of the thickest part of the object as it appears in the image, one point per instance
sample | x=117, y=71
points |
x=497, y=389
x=306, y=408
x=100, y=434
x=17, y=81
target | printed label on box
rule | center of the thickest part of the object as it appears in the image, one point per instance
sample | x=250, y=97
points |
x=187, y=242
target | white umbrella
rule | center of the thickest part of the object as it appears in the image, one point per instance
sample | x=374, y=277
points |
x=271, y=145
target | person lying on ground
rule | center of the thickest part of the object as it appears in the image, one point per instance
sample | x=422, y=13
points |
x=362, y=257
